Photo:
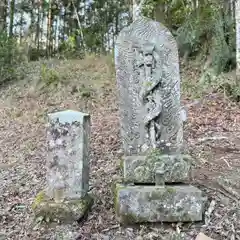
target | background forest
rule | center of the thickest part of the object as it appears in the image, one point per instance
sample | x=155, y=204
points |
x=34, y=29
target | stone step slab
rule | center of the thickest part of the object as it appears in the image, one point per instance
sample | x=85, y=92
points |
x=175, y=203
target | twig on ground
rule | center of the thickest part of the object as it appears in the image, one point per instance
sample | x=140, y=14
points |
x=214, y=138
x=230, y=190
x=111, y=228
x=227, y=163
x=209, y=212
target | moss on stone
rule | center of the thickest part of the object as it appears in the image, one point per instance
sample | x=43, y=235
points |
x=154, y=155
x=67, y=211
x=170, y=190
x=131, y=218
x=121, y=164
x=116, y=188
x=39, y=199
x=162, y=194
x=142, y=169
x=176, y=203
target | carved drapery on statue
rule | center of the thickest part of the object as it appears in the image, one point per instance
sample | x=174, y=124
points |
x=149, y=85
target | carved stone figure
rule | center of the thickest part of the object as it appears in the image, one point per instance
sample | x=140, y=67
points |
x=149, y=86
x=151, y=119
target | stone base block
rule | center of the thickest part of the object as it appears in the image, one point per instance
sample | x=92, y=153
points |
x=176, y=203
x=142, y=169
x=64, y=212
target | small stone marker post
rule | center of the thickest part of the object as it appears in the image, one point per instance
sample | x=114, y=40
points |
x=151, y=119
x=65, y=198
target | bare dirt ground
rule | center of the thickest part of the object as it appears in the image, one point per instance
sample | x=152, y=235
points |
x=212, y=134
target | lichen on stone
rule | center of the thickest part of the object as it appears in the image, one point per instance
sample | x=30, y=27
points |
x=66, y=211
x=142, y=169
x=40, y=198
x=155, y=204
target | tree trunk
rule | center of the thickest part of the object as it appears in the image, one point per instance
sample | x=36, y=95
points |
x=22, y=26
x=137, y=8
x=159, y=13
x=49, y=26
x=3, y=7
x=79, y=26
x=37, y=36
x=237, y=16
x=12, y=11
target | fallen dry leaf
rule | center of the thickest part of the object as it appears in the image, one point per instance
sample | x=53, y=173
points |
x=202, y=236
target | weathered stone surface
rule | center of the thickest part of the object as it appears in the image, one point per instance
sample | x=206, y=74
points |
x=148, y=79
x=151, y=120
x=142, y=169
x=65, y=212
x=65, y=199
x=177, y=203
x=68, y=160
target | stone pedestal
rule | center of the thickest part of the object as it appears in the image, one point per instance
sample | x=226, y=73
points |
x=142, y=169
x=151, y=191
x=66, y=211
x=177, y=203
x=66, y=195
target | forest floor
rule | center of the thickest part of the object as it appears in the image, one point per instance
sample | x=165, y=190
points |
x=212, y=135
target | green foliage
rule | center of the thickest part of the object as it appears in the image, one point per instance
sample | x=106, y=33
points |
x=202, y=85
x=172, y=13
x=209, y=31
x=69, y=49
x=35, y=54
x=206, y=30
x=225, y=83
x=49, y=76
x=203, y=29
x=9, y=58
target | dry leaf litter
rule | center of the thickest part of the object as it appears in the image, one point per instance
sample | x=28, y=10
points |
x=212, y=135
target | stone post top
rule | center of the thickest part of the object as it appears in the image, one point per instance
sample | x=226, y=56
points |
x=68, y=116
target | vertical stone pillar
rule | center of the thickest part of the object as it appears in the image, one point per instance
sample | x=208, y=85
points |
x=65, y=196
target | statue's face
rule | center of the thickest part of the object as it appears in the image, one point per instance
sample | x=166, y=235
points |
x=148, y=59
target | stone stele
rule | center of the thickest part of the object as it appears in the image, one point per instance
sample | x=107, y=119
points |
x=151, y=117
x=151, y=120
x=66, y=196
x=148, y=80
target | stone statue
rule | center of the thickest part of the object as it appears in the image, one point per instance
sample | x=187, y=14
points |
x=149, y=85
x=148, y=79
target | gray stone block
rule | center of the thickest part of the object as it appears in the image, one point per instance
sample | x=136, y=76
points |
x=176, y=203
x=66, y=195
x=68, y=154
x=142, y=169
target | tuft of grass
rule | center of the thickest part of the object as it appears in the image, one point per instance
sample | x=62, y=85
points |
x=196, y=84
x=49, y=76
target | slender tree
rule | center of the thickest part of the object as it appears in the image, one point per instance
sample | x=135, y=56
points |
x=237, y=16
x=3, y=13
x=12, y=13
x=49, y=29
